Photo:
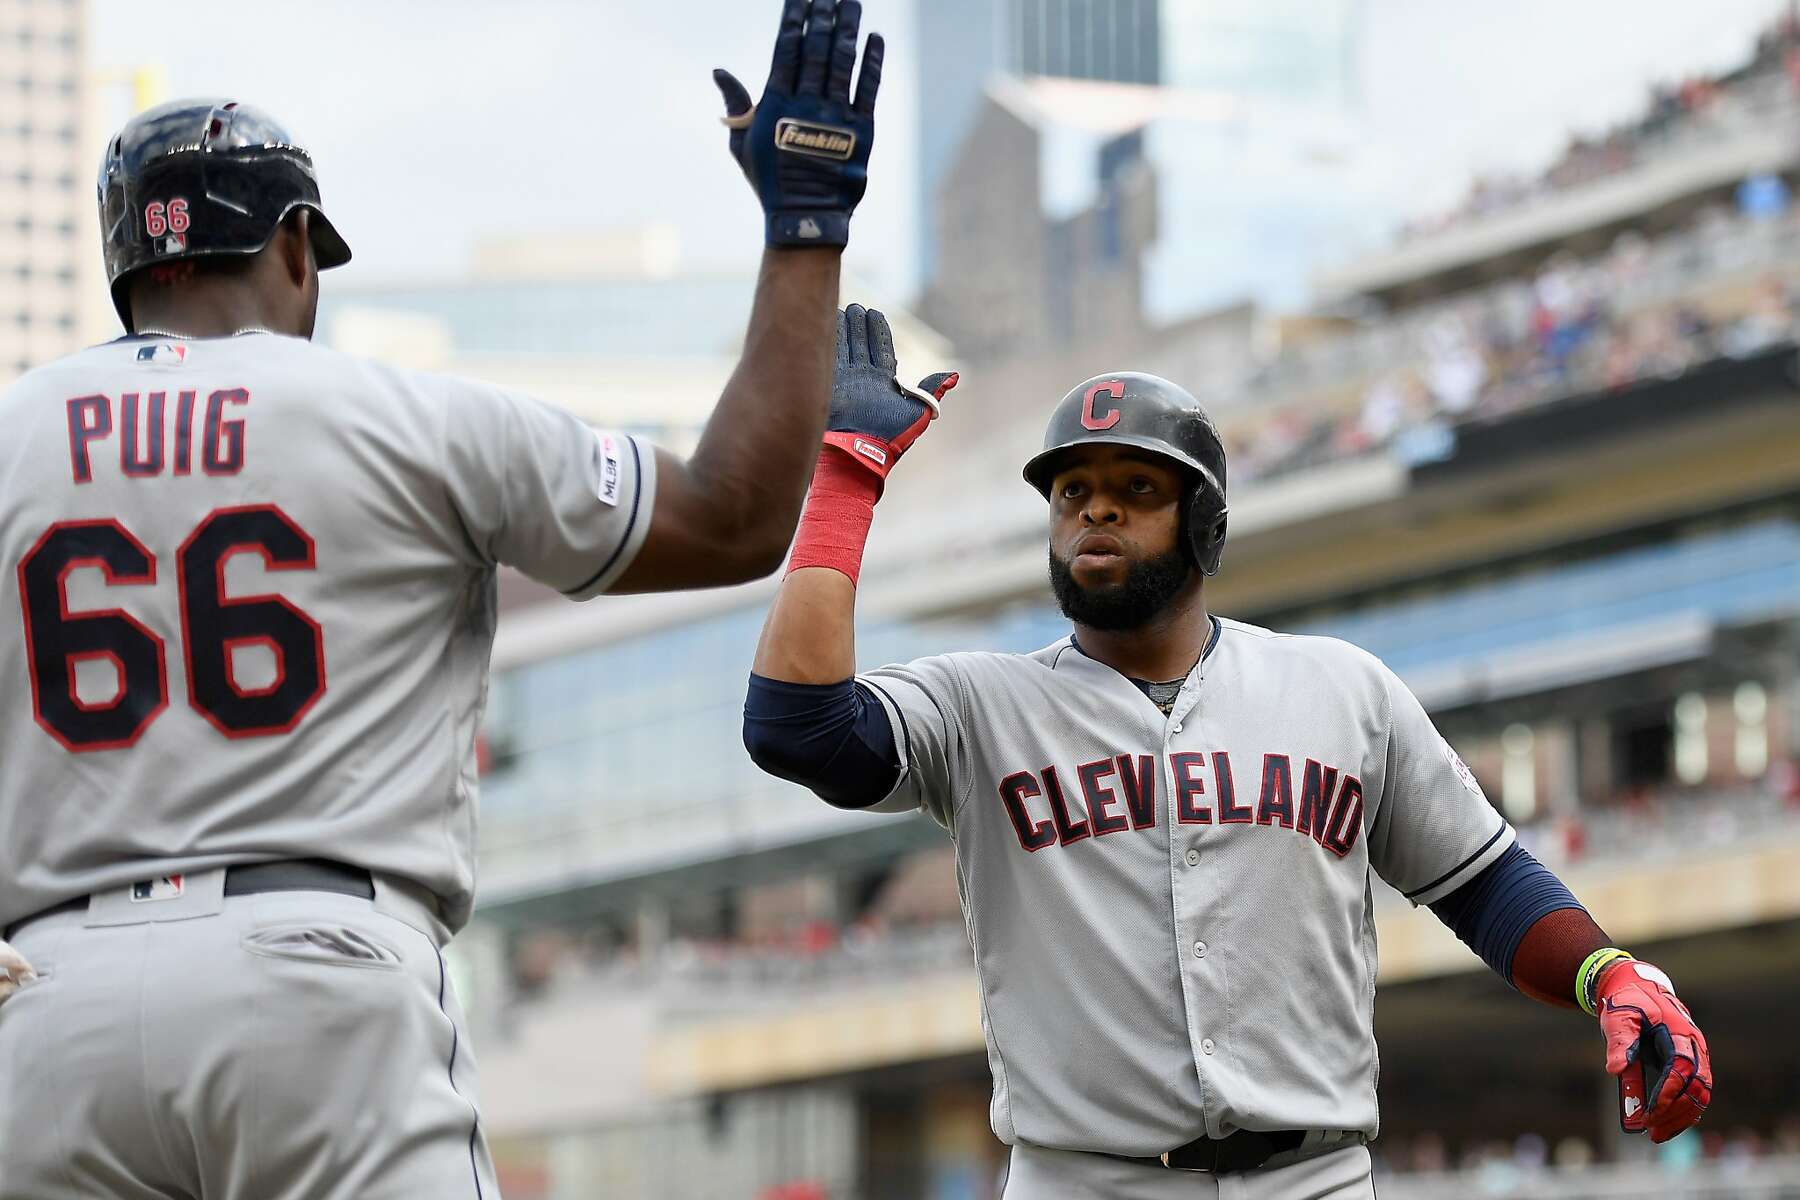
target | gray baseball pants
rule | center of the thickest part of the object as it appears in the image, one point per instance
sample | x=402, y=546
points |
x=284, y=1046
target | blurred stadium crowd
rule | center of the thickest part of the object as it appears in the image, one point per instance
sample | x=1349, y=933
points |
x=1675, y=115
x=1646, y=309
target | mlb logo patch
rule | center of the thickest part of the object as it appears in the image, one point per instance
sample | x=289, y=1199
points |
x=175, y=243
x=1462, y=770
x=163, y=887
x=163, y=352
x=606, y=453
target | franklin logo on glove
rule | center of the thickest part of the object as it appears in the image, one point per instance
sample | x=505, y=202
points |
x=822, y=141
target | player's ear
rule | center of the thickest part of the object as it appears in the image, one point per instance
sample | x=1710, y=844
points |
x=293, y=247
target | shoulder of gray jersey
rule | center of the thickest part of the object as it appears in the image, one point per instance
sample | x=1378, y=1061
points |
x=266, y=348
x=970, y=664
x=976, y=667
x=49, y=375
x=1343, y=662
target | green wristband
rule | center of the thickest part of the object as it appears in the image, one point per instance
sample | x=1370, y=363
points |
x=1589, y=975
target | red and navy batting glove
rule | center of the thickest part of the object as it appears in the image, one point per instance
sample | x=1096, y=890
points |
x=805, y=145
x=875, y=417
x=1656, y=1050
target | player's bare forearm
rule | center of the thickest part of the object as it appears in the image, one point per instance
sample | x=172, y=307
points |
x=810, y=636
x=726, y=515
x=758, y=449
x=1553, y=949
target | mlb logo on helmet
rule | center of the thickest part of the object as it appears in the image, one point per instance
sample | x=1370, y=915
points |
x=175, y=243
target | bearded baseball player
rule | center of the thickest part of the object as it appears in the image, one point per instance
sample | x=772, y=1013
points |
x=1166, y=822
x=249, y=602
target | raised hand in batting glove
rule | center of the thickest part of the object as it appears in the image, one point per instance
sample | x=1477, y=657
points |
x=875, y=417
x=1656, y=1050
x=805, y=145
x=15, y=972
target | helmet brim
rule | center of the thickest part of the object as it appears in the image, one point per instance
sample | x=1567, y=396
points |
x=329, y=247
x=1040, y=470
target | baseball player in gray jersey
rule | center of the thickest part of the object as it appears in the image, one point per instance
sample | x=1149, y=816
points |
x=244, y=638
x=1166, y=823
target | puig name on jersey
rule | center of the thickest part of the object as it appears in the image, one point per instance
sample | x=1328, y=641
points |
x=144, y=451
x=1119, y=793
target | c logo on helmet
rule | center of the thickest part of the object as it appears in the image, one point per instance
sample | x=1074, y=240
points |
x=1089, y=419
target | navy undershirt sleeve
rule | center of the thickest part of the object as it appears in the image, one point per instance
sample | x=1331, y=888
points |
x=834, y=738
x=1493, y=911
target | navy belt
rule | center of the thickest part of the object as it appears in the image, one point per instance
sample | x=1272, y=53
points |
x=249, y=879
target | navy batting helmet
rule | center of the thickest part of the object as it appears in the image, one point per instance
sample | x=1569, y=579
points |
x=203, y=177
x=1150, y=413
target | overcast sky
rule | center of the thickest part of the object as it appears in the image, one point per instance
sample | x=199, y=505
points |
x=436, y=120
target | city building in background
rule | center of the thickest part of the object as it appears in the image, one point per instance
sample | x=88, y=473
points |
x=1249, y=110
x=963, y=45
x=49, y=244
x=1074, y=209
x=1117, y=40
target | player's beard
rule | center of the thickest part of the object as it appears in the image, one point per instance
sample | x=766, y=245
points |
x=1149, y=586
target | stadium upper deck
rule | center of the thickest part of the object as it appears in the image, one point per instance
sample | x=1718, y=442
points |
x=1694, y=142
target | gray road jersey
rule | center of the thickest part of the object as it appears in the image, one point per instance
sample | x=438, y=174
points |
x=248, y=602
x=1172, y=916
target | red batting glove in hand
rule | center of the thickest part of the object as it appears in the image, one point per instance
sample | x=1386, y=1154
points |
x=1656, y=1050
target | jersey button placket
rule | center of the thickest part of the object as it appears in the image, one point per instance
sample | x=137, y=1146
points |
x=1192, y=889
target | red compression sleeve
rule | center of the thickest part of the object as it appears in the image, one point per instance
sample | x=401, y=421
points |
x=839, y=510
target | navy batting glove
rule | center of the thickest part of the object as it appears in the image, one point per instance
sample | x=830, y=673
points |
x=875, y=417
x=805, y=145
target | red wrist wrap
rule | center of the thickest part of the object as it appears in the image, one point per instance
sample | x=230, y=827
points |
x=834, y=525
